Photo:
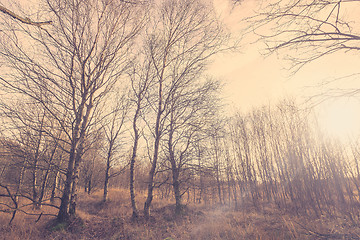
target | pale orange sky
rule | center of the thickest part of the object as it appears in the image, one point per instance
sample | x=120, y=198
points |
x=253, y=80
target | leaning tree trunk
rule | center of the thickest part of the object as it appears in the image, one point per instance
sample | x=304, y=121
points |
x=106, y=181
x=43, y=189
x=79, y=153
x=132, y=162
x=107, y=170
x=45, y=179
x=69, y=189
x=156, y=149
x=151, y=179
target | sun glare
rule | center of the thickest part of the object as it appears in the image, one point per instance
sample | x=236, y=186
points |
x=341, y=119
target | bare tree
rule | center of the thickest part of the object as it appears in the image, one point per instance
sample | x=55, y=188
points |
x=192, y=107
x=29, y=136
x=312, y=28
x=183, y=36
x=141, y=78
x=24, y=20
x=93, y=162
x=70, y=69
x=281, y=157
x=113, y=129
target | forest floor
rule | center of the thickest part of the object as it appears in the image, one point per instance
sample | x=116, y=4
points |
x=112, y=220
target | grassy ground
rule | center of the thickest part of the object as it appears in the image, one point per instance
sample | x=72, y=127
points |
x=112, y=220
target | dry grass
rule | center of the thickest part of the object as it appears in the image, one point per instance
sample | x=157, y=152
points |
x=112, y=220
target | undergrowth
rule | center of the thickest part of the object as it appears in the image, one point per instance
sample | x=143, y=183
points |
x=112, y=220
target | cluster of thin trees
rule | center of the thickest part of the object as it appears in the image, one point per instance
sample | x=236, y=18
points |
x=275, y=156
x=279, y=155
x=99, y=75
x=109, y=88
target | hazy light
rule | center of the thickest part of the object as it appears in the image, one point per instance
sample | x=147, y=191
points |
x=341, y=119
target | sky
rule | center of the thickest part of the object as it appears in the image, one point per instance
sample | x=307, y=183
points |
x=252, y=80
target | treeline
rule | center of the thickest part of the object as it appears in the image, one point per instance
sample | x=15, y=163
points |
x=271, y=156
x=276, y=155
x=106, y=84
x=114, y=93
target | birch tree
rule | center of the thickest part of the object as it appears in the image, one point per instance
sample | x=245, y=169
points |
x=69, y=68
x=182, y=38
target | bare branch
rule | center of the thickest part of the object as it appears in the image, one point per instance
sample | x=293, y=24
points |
x=24, y=20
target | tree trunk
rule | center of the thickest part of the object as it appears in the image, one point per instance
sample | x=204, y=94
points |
x=74, y=189
x=20, y=182
x=229, y=188
x=175, y=170
x=78, y=155
x=235, y=194
x=42, y=189
x=177, y=193
x=150, y=187
x=55, y=186
x=132, y=163
x=156, y=147
x=69, y=189
x=107, y=170
x=34, y=185
x=218, y=183
x=63, y=214
x=106, y=183
x=89, y=186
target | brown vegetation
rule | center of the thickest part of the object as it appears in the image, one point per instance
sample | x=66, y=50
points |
x=67, y=106
x=112, y=220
